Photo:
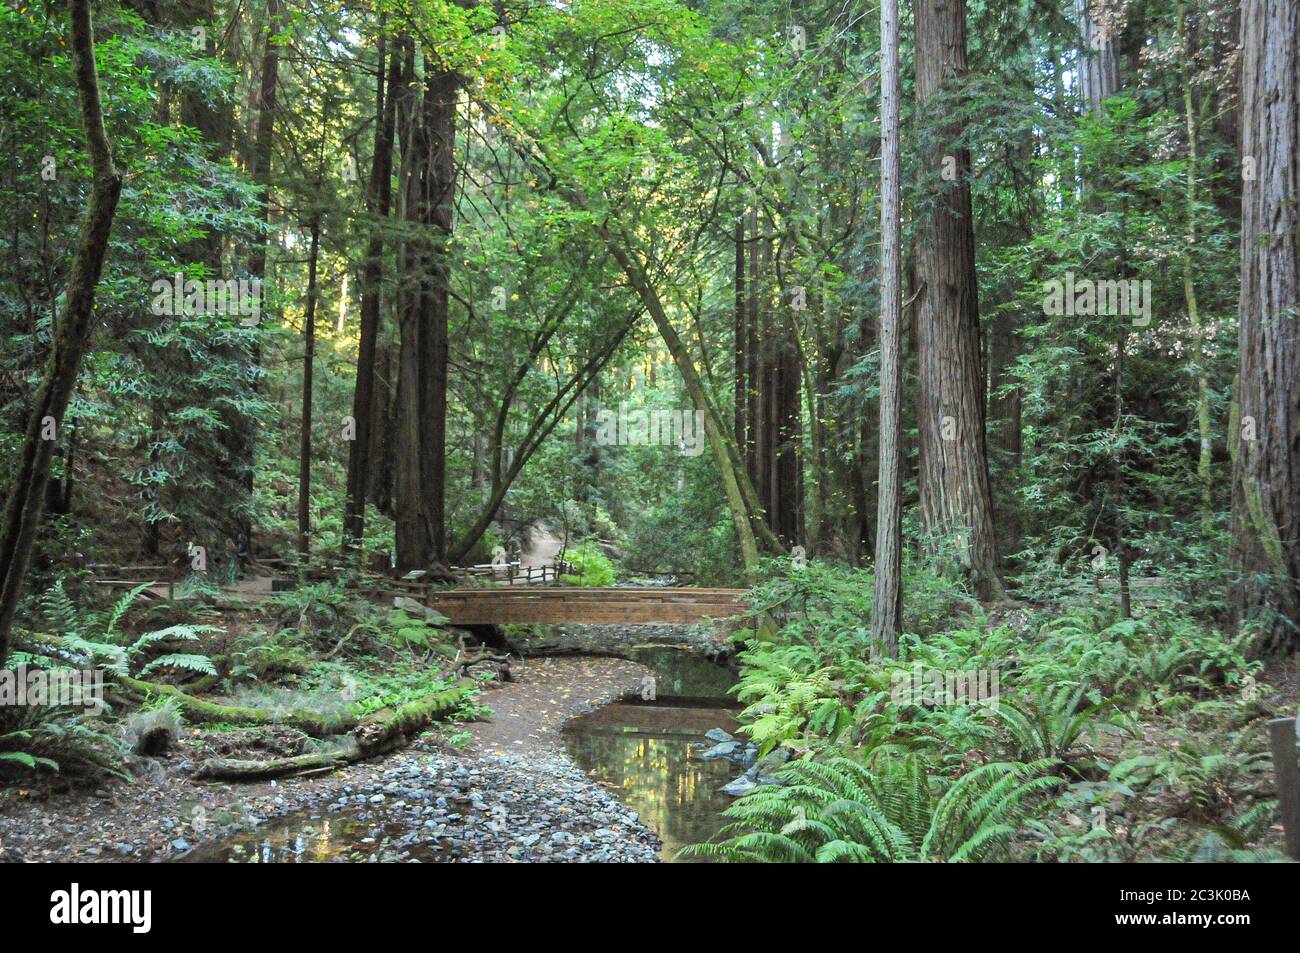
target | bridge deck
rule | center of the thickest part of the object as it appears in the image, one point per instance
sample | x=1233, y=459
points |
x=584, y=606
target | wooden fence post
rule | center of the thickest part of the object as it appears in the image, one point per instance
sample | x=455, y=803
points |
x=1282, y=739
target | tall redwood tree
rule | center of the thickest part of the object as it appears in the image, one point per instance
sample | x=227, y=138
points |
x=1266, y=435
x=955, y=499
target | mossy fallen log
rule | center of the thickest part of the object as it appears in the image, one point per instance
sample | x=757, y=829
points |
x=376, y=734
x=389, y=728
x=205, y=712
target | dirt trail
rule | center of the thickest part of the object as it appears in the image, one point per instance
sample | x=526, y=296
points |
x=529, y=712
x=542, y=549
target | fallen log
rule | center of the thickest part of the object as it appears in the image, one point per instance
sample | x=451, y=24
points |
x=234, y=769
x=379, y=733
x=197, y=710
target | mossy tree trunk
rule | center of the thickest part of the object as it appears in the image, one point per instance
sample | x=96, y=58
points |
x=72, y=332
x=886, y=610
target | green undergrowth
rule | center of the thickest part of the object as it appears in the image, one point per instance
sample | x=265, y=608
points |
x=1098, y=737
x=319, y=659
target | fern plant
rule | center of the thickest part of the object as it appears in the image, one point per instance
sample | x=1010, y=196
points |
x=1231, y=842
x=1160, y=665
x=791, y=699
x=9, y=741
x=74, y=744
x=883, y=812
x=97, y=636
x=1051, y=724
x=415, y=632
x=1201, y=773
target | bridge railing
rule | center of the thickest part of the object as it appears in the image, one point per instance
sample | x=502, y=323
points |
x=513, y=572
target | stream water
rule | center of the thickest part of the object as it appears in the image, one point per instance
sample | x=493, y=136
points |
x=642, y=751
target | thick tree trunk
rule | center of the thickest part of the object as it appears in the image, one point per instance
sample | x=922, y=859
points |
x=955, y=498
x=72, y=332
x=428, y=186
x=308, y=368
x=1099, y=65
x=1266, y=469
x=441, y=107
x=887, y=605
x=379, y=198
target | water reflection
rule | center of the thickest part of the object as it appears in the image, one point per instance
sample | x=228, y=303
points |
x=644, y=753
x=310, y=838
x=641, y=750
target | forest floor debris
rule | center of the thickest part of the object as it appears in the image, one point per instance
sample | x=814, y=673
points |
x=523, y=799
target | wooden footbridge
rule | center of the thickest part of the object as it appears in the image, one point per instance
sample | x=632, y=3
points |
x=575, y=606
x=518, y=601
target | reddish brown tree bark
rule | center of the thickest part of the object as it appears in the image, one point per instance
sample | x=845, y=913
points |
x=1266, y=435
x=955, y=500
x=379, y=198
x=428, y=184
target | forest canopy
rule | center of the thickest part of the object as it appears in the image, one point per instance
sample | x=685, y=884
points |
x=943, y=321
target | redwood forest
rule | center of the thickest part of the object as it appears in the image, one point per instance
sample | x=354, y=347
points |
x=671, y=431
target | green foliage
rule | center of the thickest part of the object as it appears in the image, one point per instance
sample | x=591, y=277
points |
x=1051, y=723
x=1231, y=842
x=417, y=632
x=260, y=655
x=593, y=566
x=363, y=691
x=96, y=636
x=1074, y=681
x=78, y=746
x=1202, y=774
x=617, y=131
x=883, y=812
x=391, y=691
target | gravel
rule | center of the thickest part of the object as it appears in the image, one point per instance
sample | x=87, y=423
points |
x=516, y=797
x=460, y=810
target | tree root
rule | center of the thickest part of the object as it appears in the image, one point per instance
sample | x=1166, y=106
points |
x=376, y=734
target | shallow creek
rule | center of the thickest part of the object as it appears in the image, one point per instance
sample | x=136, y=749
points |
x=640, y=750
